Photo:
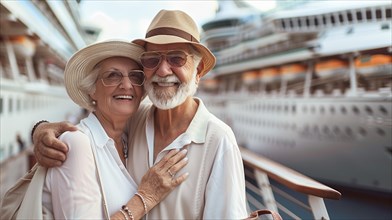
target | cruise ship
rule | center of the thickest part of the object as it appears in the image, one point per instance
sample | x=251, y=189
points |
x=36, y=40
x=307, y=84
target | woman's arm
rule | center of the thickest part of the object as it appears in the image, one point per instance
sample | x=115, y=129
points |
x=156, y=184
x=75, y=191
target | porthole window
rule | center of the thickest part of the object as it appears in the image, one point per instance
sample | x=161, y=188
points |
x=313, y=109
x=343, y=110
x=332, y=110
x=336, y=130
x=349, y=132
x=383, y=110
x=380, y=131
x=326, y=129
x=362, y=131
x=322, y=110
x=304, y=109
x=369, y=110
x=356, y=110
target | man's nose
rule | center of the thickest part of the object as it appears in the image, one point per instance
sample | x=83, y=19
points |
x=164, y=68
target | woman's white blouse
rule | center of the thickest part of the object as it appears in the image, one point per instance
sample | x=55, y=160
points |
x=72, y=190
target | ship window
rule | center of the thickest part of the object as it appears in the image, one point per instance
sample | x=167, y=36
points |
x=313, y=109
x=332, y=19
x=10, y=105
x=291, y=23
x=282, y=23
x=349, y=16
x=355, y=110
x=362, y=131
x=343, y=110
x=359, y=15
x=307, y=21
x=378, y=14
x=316, y=23
x=349, y=132
x=315, y=129
x=383, y=110
x=368, y=15
x=336, y=130
x=326, y=129
x=341, y=19
x=369, y=110
x=293, y=109
x=1, y=105
x=322, y=110
x=332, y=110
x=388, y=13
x=324, y=20
x=18, y=107
x=380, y=132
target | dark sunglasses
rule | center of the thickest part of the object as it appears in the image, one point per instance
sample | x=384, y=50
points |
x=114, y=77
x=151, y=59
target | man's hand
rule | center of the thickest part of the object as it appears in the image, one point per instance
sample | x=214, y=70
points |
x=50, y=151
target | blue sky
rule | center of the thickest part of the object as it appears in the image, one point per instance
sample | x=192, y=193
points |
x=129, y=19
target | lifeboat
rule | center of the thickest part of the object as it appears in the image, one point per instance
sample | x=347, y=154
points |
x=209, y=84
x=249, y=77
x=374, y=65
x=23, y=46
x=331, y=68
x=292, y=72
x=269, y=75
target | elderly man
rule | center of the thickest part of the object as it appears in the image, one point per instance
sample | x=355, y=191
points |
x=174, y=62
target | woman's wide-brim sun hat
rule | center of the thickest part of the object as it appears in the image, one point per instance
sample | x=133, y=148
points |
x=174, y=26
x=83, y=62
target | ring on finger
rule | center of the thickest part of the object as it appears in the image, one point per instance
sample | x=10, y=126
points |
x=171, y=174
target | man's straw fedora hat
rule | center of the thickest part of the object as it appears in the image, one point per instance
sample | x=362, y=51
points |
x=174, y=26
x=83, y=61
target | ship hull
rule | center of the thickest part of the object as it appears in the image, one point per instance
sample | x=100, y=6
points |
x=344, y=141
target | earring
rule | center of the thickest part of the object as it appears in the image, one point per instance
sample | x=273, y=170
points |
x=94, y=102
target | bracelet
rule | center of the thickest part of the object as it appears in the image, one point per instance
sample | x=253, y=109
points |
x=125, y=215
x=144, y=202
x=35, y=127
x=126, y=209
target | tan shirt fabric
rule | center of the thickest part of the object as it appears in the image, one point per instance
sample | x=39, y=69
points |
x=215, y=188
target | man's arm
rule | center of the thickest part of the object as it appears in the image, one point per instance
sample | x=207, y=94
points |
x=50, y=151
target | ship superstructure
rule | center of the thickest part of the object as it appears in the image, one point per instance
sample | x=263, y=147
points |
x=309, y=87
x=36, y=40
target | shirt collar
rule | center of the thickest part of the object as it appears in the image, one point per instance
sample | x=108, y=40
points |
x=98, y=133
x=197, y=129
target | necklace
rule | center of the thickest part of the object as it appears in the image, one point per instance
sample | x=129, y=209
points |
x=125, y=148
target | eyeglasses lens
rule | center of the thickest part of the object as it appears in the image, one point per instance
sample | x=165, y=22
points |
x=113, y=78
x=151, y=60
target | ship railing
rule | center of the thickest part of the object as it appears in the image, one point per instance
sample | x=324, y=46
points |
x=287, y=195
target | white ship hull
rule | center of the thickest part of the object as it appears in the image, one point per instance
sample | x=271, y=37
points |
x=331, y=121
x=341, y=140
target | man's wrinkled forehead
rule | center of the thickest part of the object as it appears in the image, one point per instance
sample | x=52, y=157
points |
x=163, y=47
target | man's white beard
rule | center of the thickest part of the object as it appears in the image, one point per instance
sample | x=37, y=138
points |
x=169, y=99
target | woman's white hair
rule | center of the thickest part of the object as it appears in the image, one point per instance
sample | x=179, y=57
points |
x=87, y=84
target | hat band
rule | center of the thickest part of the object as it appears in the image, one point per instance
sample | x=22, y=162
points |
x=171, y=31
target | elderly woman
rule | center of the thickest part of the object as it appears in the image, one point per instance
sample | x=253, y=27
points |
x=93, y=182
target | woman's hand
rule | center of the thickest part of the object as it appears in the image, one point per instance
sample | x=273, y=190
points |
x=50, y=151
x=160, y=179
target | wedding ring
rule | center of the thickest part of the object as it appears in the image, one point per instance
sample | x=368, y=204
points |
x=172, y=175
